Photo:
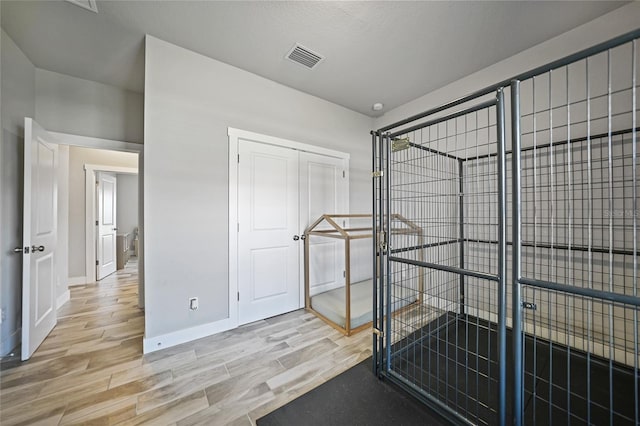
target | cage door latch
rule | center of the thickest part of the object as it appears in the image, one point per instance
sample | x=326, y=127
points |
x=377, y=173
x=378, y=332
x=382, y=240
x=529, y=305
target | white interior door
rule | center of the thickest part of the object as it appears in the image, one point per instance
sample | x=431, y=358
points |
x=323, y=189
x=39, y=236
x=268, y=259
x=107, y=227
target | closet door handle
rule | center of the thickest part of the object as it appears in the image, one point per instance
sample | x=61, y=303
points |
x=36, y=248
x=296, y=237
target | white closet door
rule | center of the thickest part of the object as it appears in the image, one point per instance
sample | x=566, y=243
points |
x=268, y=255
x=323, y=189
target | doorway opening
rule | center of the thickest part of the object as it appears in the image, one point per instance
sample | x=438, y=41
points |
x=54, y=250
x=111, y=217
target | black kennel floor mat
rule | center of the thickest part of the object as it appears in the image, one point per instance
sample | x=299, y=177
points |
x=355, y=397
x=454, y=359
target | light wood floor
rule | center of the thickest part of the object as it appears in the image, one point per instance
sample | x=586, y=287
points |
x=90, y=370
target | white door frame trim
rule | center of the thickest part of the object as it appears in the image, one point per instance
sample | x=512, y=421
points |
x=234, y=136
x=98, y=143
x=113, y=145
x=90, y=211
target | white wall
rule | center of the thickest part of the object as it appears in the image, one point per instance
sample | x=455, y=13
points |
x=18, y=101
x=78, y=157
x=618, y=22
x=127, y=204
x=81, y=107
x=190, y=100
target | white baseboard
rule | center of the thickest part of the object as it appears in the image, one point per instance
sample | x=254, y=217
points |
x=63, y=298
x=174, y=338
x=77, y=280
x=10, y=342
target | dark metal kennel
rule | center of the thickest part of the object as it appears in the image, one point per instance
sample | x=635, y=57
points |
x=527, y=196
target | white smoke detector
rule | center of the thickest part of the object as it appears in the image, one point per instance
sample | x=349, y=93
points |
x=377, y=106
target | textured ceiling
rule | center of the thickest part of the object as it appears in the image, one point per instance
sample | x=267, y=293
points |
x=389, y=52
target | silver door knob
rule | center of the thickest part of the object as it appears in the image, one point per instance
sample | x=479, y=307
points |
x=36, y=248
x=296, y=237
x=18, y=250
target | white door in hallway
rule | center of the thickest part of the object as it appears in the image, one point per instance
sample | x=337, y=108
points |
x=39, y=237
x=268, y=280
x=107, y=227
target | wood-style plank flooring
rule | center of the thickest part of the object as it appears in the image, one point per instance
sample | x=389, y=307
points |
x=90, y=369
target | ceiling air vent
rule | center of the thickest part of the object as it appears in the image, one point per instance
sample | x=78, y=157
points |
x=303, y=56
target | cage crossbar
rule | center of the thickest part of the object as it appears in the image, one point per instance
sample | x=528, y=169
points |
x=559, y=143
x=466, y=111
x=583, y=291
x=565, y=247
x=443, y=268
x=424, y=246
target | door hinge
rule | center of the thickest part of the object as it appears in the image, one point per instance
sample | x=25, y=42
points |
x=343, y=174
x=377, y=173
x=97, y=263
x=529, y=305
x=96, y=223
x=238, y=226
x=238, y=158
x=344, y=274
x=97, y=183
x=238, y=296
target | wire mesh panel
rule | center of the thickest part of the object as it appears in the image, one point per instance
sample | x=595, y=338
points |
x=571, y=376
x=445, y=345
x=578, y=242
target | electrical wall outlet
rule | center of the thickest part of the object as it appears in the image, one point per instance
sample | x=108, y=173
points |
x=193, y=303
